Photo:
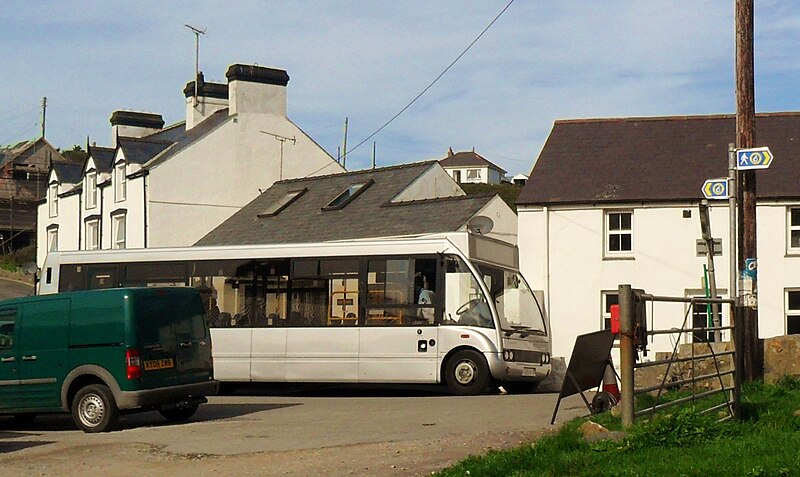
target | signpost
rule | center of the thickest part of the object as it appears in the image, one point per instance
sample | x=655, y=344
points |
x=753, y=158
x=716, y=188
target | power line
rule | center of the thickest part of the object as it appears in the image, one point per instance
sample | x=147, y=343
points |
x=432, y=82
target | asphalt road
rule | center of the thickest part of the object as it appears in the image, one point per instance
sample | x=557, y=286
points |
x=313, y=419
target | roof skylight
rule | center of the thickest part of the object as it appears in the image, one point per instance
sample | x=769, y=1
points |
x=348, y=195
x=281, y=203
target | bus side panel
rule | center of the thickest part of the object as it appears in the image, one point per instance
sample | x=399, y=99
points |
x=268, y=363
x=322, y=354
x=231, y=353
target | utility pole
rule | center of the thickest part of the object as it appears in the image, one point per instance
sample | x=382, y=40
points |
x=44, y=114
x=746, y=190
x=344, y=147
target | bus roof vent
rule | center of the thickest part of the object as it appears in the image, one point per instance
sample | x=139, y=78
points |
x=480, y=225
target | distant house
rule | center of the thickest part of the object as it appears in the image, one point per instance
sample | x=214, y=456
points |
x=519, y=180
x=614, y=201
x=405, y=200
x=169, y=186
x=23, y=181
x=468, y=167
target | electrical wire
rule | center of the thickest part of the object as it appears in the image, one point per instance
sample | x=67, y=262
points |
x=432, y=82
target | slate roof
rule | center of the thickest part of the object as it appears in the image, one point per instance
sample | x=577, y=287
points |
x=369, y=215
x=468, y=159
x=103, y=157
x=659, y=159
x=141, y=150
x=68, y=173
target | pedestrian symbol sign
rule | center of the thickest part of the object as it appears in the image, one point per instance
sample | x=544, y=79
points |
x=716, y=188
x=754, y=158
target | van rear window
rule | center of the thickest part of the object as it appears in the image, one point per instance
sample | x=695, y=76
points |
x=162, y=316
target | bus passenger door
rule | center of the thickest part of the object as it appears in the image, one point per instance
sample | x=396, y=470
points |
x=399, y=340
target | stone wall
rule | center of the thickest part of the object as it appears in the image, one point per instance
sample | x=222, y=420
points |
x=679, y=371
x=781, y=357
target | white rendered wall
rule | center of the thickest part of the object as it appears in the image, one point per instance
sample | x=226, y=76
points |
x=207, y=182
x=562, y=253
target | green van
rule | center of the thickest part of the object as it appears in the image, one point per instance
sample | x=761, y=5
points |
x=102, y=352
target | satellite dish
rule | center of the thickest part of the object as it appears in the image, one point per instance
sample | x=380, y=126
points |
x=480, y=225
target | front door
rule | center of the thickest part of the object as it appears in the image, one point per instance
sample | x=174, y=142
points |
x=9, y=358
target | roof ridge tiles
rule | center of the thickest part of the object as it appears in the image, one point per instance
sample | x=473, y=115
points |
x=358, y=172
x=696, y=117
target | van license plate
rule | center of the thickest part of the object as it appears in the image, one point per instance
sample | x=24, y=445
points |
x=529, y=371
x=154, y=364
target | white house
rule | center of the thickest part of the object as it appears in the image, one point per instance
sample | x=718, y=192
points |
x=468, y=167
x=159, y=186
x=615, y=201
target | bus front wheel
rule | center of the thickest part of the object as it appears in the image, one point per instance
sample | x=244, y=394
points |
x=467, y=373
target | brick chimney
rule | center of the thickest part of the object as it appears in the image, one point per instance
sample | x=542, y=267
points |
x=134, y=124
x=256, y=89
x=211, y=97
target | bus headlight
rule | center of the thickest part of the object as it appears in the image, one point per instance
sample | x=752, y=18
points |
x=545, y=358
x=508, y=355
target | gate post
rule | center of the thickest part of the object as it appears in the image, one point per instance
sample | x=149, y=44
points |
x=626, y=351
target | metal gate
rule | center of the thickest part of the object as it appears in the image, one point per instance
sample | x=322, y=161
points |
x=634, y=335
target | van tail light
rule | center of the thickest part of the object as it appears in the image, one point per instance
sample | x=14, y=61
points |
x=133, y=364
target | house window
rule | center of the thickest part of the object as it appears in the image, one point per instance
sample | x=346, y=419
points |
x=608, y=298
x=473, y=174
x=619, y=232
x=119, y=181
x=701, y=318
x=52, y=199
x=118, y=231
x=793, y=220
x=52, y=239
x=792, y=312
x=457, y=176
x=349, y=194
x=93, y=235
x=91, y=190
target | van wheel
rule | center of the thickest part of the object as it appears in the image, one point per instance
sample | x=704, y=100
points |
x=178, y=414
x=520, y=387
x=467, y=374
x=94, y=409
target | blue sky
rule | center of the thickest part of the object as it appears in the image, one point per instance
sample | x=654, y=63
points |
x=365, y=60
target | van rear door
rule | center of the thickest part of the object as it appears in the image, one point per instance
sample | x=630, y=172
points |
x=44, y=356
x=10, y=395
x=173, y=338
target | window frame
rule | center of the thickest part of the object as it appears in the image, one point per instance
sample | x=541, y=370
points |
x=790, y=227
x=477, y=172
x=608, y=232
x=52, y=239
x=91, y=190
x=52, y=199
x=790, y=312
x=93, y=222
x=116, y=221
x=120, y=182
x=605, y=308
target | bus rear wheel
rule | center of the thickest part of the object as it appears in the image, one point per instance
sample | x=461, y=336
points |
x=467, y=373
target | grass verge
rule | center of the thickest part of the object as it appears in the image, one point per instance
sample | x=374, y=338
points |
x=677, y=442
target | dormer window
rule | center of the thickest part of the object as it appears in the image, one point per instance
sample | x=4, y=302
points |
x=52, y=199
x=91, y=190
x=282, y=202
x=348, y=195
x=119, y=182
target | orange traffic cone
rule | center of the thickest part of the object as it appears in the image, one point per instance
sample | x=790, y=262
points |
x=610, y=380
